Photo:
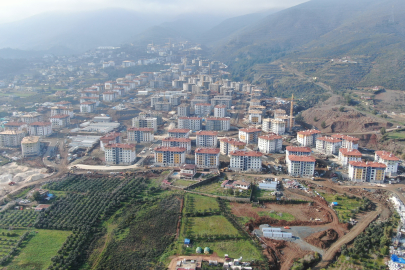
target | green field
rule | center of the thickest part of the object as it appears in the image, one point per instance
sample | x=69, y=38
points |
x=396, y=135
x=283, y=216
x=212, y=225
x=183, y=183
x=345, y=205
x=201, y=203
x=37, y=253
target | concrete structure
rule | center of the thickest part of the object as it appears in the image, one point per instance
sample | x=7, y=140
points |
x=287, y=121
x=222, y=100
x=348, y=142
x=255, y=117
x=177, y=142
x=206, y=138
x=183, y=110
x=301, y=166
x=266, y=125
x=109, y=96
x=193, y=123
x=140, y=134
x=271, y=143
x=110, y=138
x=60, y=120
x=87, y=107
x=389, y=160
x=297, y=151
x=218, y=123
x=11, y=138
x=220, y=111
x=179, y=133
x=246, y=161
x=308, y=137
x=31, y=118
x=202, y=109
x=188, y=170
x=30, y=146
x=62, y=110
x=207, y=158
x=279, y=113
x=277, y=126
x=170, y=156
x=249, y=135
x=372, y=172
x=42, y=129
x=228, y=145
x=145, y=122
x=328, y=145
x=120, y=154
x=15, y=126
x=347, y=155
x=164, y=106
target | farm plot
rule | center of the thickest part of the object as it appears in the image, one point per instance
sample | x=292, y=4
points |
x=346, y=207
x=84, y=185
x=214, y=225
x=8, y=240
x=17, y=218
x=199, y=203
x=183, y=183
x=213, y=188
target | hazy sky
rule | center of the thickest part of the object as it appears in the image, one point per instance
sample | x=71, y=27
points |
x=13, y=10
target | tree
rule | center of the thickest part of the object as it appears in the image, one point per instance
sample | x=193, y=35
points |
x=383, y=130
x=316, y=119
x=342, y=109
x=37, y=196
x=323, y=125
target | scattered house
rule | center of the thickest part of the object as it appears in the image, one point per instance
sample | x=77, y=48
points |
x=42, y=207
x=235, y=184
x=188, y=171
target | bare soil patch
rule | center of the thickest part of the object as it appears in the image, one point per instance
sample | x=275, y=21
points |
x=323, y=239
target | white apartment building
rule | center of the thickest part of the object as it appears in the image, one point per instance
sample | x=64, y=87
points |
x=193, y=123
x=372, y=172
x=31, y=118
x=30, y=146
x=62, y=110
x=301, y=166
x=120, y=154
x=15, y=126
x=249, y=135
x=220, y=111
x=328, y=145
x=202, y=109
x=389, y=160
x=271, y=143
x=228, y=145
x=110, y=138
x=279, y=113
x=87, y=107
x=218, y=123
x=246, y=161
x=255, y=117
x=277, y=126
x=308, y=137
x=11, y=138
x=177, y=142
x=183, y=110
x=207, y=158
x=140, y=134
x=42, y=129
x=91, y=99
x=145, y=122
x=206, y=139
x=266, y=125
x=287, y=121
x=348, y=142
x=347, y=155
x=179, y=133
x=170, y=156
x=109, y=96
x=60, y=120
x=297, y=151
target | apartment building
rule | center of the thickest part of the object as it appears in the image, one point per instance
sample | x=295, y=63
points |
x=193, y=123
x=228, y=145
x=177, y=142
x=207, y=158
x=328, y=145
x=206, y=138
x=218, y=123
x=120, y=154
x=179, y=133
x=87, y=107
x=249, y=135
x=348, y=142
x=92, y=99
x=255, y=117
x=277, y=126
x=271, y=143
x=164, y=106
x=347, y=155
x=60, y=120
x=372, y=172
x=170, y=156
x=11, y=138
x=140, y=134
x=308, y=137
x=110, y=96
x=31, y=118
x=301, y=166
x=286, y=119
x=15, y=126
x=110, y=138
x=220, y=111
x=183, y=110
x=297, y=151
x=222, y=100
x=30, y=146
x=42, y=129
x=246, y=161
x=145, y=122
x=389, y=160
x=62, y=110
x=279, y=113
x=202, y=109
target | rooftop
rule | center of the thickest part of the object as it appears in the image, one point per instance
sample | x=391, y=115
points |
x=246, y=153
x=15, y=124
x=329, y=139
x=386, y=155
x=41, y=124
x=345, y=137
x=121, y=145
x=309, y=132
x=179, y=130
x=350, y=152
x=218, y=118
x=367, y=164
x=139, y=129
x=207, y=151
x=232, y=141
x=301, y=158
x=59, y=116
x=206, y=132
x=271, y=137
x=190, y=118
x=170, y=149
x=30, y=139
x=298, y=149
x=249, y=130
x=171, y=139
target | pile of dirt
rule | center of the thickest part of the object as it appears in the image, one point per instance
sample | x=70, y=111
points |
x=93, y=161
x=283, y=223
x=323, y=239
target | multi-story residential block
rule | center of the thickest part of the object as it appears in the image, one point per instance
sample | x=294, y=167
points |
x=140, y=134
x=206, y=138
x=308, y=137
x=372, y=172
x=279, y=113
x=110, y=96
x=177, y=142
x=120, y=154
x=287, y=121
x=266, y=125
x=277, y=126
x=42, y=129
x=145, y=122
x=328, y=145
x=92, y=99
x=15, y=126
x=228, y=145
x=347, y=155
x=87, y=107
x=207, y=158
x=60, y=120
x=348, y=142
x=62, y=110
x=246, y=161
x=220, y=111
x=222, y=100
x=179, y=133
x=170, y=156
x=163, y=106
x=64, y=103
x=202, y=109
x=297, y=151
x=11, y=138
x=301, y=166
x=193, y=123
x=255, y=117
x=183, y=110
x=110, y=138
x=389, y=160
x=218, y=123
x=31, y=118
x=271, y=143
x=249, y=135
x=30, y=146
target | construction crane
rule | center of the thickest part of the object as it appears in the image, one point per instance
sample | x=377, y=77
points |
x=291, y=111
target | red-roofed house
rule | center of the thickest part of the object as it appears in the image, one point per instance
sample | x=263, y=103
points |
x=348, y=141
x=389, y=160
x=177, y=142
x=372, y=172
x=188, y=170
x=179, y=133
x=249, y=135
x=60, y=120
x=110, y=138
x=15, y=126
x=301, y=166
x=297, y=151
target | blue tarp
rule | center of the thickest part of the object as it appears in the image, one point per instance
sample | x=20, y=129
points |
x=396, y=259
x=335, y=203
x=187, y=241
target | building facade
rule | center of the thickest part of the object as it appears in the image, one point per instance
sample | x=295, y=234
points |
x=218, y=123
x=179, y=133
x=120, y=154
x=249, y=135
x=183, y=110
x=220, y=111
x=110, y=138
x=42, y=129
x=308, y=137
x=328, y=145
x=347, y=155
x=228, y=145
x=193, y=123
x=60, y=120
x=145, y=122
x=206, y=138
x=140, y=134
x=30, y=146
x=207, y=158
x=246, y=161
x=11, y=138
x=170, y=156
x=389, y=160
x=177, y=142
x=372, y=172
x=301, y=166
x=270, y=143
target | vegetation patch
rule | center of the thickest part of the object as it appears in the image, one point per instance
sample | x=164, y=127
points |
x=17, y=218
x=198, y=203
x=214, y=225
x=348, y=206
x=280, y=216
x=183, y=183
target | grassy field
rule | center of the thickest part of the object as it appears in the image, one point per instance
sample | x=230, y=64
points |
x=396, y=135
x=263, y=194
x=283, y=216
x=4, y=239
x=212, y=225
x=37, y=253
x=183, y=183
x=201, y=203
x=214, y=188
x=345, y=205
